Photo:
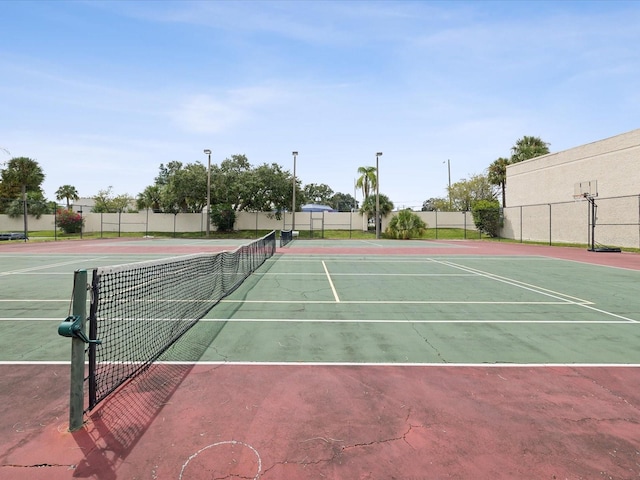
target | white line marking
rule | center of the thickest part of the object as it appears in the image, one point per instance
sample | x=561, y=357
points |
x=515, y=283
x=403, y=302
x=30, y=300
x=32, y=319
x=367, y=242
x=333, y=288
x=35, y=273
x=537, y=289
x=44, y=267
x=302, y=274
x=226, y=442
x=609, y=313
x=413, y=364
x=44, y=362
x=329, y=320
x=363, y=364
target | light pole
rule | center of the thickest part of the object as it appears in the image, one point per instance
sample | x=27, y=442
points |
x=449, y=170
x=208, y=152
x=293, y=201
x=378, y=155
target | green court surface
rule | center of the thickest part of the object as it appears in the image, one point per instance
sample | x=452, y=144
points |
x=366, y=309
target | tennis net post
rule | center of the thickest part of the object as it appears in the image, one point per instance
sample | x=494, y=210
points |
x=73, y=327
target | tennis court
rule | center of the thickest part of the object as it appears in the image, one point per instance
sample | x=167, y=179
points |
x=342, y=359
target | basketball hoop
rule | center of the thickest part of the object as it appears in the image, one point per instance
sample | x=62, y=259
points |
x=581, y=197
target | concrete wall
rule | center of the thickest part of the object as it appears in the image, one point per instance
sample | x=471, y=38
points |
x=148, y=221
x=539, y=194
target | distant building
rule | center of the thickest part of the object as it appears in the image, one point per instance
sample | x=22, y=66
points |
x=312, y=207
x=562, y=196
x=85, y=204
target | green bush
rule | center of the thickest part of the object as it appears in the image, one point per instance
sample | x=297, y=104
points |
x=69, y=221
x=406, y=225
x=487, y=217
x=37, y=208
x=223, y=216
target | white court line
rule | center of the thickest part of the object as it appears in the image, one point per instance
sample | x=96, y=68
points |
x=536, y=289
x=412, y=364
x=333, y=288
x=53, y=265
x=407, y=302
x=309, y=258
x=332, y=320
x=515, y=283
x=356, y=364
x=34, y=362
x=368, y=242
x=31, y=319
x=37, y=273
x=32, y=300
x=302, y=274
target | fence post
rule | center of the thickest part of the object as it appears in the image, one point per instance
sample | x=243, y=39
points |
x=465, y=224
x=521, y=223
x=76, y=397
x=550, y=241
x=436, y=224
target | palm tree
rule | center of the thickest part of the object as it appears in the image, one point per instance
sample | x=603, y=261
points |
x=367, y=180
x=406, y=225
x=528, y=147
x=369, y=206
x=25, y=173
x=497, y=175
x=67, y=192
x=151, y=198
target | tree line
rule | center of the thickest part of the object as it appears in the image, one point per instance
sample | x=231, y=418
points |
x=237, y=185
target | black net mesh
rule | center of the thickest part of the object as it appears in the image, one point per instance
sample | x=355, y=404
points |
x=286, y=237
x=139, y=310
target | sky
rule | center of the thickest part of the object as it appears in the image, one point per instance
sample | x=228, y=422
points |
x=101, y=93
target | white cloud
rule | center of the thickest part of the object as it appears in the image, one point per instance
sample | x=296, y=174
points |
x=208, y=113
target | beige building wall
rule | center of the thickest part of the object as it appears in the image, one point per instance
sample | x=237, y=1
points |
x=613, y=162
x=540, y=202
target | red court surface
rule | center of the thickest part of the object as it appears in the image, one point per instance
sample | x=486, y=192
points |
x=306, y=421
x=341, y=422
x=331, y=247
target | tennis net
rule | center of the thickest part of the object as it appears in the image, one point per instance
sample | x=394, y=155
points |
x=286, y=237
x=139, y=310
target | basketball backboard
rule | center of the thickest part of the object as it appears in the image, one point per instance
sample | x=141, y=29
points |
x=585, y=189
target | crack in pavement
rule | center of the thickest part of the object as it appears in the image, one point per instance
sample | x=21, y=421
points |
x=339, y=451
x=426, y=340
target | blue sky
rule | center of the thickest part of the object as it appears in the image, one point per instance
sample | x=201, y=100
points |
x=101, y=93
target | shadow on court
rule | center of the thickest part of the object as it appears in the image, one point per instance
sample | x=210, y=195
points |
x=340, y=422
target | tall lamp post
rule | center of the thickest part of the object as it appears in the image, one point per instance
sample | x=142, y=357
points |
x=449, y=170
x=293, y=201
x=208, y=152
x=378, y=155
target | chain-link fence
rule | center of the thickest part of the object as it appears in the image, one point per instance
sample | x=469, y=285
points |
x=617, y=222
x=149, y=222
